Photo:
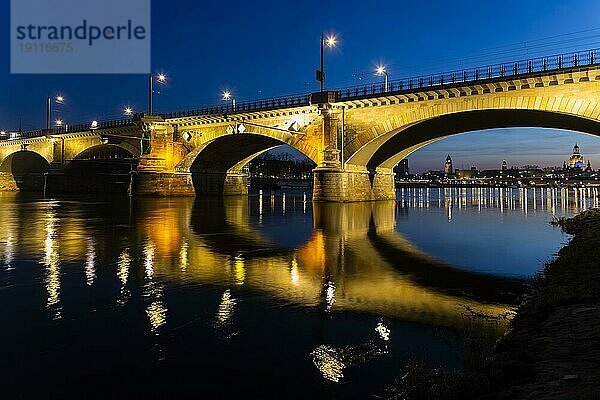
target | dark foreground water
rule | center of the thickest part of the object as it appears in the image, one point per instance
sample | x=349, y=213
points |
x=269, y=296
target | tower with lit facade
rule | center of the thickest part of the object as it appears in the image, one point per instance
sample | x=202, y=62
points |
x=504, y=165
x=448, y=165
x=576, y=161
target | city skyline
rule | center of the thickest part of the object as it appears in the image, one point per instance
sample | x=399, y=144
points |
x=483, y=150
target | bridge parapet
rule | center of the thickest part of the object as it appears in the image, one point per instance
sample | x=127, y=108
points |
x=522, y=69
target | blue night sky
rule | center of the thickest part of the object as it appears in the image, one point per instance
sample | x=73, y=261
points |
x=270, y=48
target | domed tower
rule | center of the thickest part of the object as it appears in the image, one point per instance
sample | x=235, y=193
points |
x=448, y=166
x=504, y=165
x=576, y=160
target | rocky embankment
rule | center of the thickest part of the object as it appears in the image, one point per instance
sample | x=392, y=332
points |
x=552, y=350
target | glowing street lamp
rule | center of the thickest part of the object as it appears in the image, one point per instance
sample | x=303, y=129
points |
x=128, y=111
x=160, y=78
x=60, y=99
x=382, y=71
x=329, y=41
x=227, y=96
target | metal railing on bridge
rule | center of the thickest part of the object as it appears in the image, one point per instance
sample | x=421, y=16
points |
x=60, y=130
x=247, y=106
x=472, y=75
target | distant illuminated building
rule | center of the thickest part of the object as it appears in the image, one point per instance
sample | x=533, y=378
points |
x=448, y=165
x=576, y=160
x=504, y=165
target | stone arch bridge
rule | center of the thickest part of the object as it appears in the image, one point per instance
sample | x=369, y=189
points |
x=354, y=135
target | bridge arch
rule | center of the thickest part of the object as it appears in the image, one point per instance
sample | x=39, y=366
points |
x=107, y=151
x=231, y=152
x=216, y=164
x=419, y=135
x=397, y=136
x=24, y=162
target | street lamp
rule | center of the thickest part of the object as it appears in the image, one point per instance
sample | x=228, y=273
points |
x=59, y=123
x=60, y=99
x=382, y=71
x=128, y=111
x=160, y=78
x=226, y=96
x=329, y=41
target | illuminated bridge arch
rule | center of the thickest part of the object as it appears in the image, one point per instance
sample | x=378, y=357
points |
x=108, y=151
x=229, y=153
x=382, y=135
x=401, y=143
x=24, y=162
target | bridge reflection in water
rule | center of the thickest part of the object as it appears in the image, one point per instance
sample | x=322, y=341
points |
x=270, y=275
x=352, y=258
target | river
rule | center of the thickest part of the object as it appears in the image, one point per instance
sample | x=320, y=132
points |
x=265, y=296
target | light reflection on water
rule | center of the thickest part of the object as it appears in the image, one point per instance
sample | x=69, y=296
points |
x=272, y=280
x=501, y=231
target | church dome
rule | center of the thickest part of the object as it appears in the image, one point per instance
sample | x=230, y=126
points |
x=576, y=160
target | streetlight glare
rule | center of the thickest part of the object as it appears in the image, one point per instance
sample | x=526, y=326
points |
x=60, y=99
x=162, y=78
x=128, y=111
x=58, y=122
x=226, y=95
x=331, y=41
x=380, y=70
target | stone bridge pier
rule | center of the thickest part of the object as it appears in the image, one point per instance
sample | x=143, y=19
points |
x=334, y=180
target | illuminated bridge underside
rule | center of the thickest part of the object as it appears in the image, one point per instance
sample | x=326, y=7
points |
x=415, y=136
x=206, y=153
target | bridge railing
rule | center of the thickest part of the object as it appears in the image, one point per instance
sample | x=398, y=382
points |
x=247, y=106
x=115, y=123
x=515, y=68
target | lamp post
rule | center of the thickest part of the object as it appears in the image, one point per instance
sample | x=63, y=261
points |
x=128, y=111
x=59, y=100
x=330, y=41
x=227, y=96
x=160, y=78
x=382, y=71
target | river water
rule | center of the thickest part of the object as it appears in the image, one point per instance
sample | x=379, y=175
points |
x=267, y=296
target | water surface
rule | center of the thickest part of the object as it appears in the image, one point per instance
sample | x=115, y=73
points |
x=267, y=296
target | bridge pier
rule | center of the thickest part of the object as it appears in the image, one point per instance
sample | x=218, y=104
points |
x=161, y=184
x=220, y=183
x=342, y=186
x=189, y=184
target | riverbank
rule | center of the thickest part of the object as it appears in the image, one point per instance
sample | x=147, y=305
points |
x=552, y=348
